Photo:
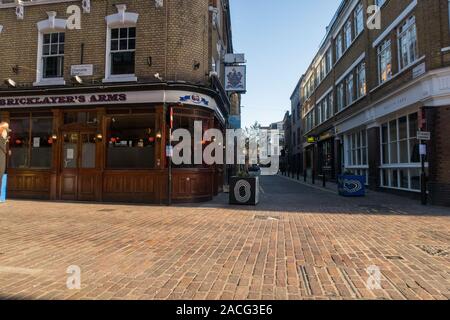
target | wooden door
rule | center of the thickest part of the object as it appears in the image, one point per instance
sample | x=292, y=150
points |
x=79, y=176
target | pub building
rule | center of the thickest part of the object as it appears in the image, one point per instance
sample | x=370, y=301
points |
x=101, y=135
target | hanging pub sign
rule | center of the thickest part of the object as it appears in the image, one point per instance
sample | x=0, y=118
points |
x=235, y=78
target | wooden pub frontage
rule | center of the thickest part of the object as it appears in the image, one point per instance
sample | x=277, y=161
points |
x=107, y=144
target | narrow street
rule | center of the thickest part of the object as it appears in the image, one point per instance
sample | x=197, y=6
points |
x=299, y=243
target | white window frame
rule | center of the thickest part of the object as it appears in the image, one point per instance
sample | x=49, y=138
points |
x=121, y=19
x=384, y=54
x=405, y=31
x=398, y=165
x=361, y=86
x=361, y=144
x=349, y=89
x=348, y=35
x=359, y=19
x=50, y=25
x=339, y=46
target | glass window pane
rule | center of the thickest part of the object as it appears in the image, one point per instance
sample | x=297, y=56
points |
x=61, y=37
x=70, y=151
x=61, y=49
x=46, y=38
x=404, y=158
x=385, y=154
x=393, y=130
x=384, y=133
x=88, y=151
x=54, y=49
x=415, y=179
x=404, y=179
x=114, y=33
x=123, y=44
x=132, y=32
x=413, y=125
x=123, y=32
x=46, y=50
x=394, y=153
x=385, y=176
x=131, y=142
x=122, y=63
x=114, y=45
x=19, y=143
x=394, y=178
x=131, y=44
x=414, y=149
x=41, y=143
x=402, y=128
x=54, y=37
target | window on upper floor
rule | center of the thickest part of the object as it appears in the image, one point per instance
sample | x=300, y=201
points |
x=348, y=34
x=361, y=87
x=384, y=61
x=359, y=19
x=329, y=60
x=349, y=92
x=323, y=68
x=123, y=48
x=407, y=43
x=53, y=55
x=338, y=44
x=340, y=96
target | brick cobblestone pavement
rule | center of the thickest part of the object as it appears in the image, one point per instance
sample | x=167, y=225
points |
x=299, y=243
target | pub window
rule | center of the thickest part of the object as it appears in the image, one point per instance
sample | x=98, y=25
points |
x=31, y=142
x=131, y=142
x=187, y=121
x=53, y=55
x=82, y=117
x=123, y=47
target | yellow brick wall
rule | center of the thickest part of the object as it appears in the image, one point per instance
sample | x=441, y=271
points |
x=173, y=52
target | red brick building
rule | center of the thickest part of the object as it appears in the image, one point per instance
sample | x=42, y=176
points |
x=371, y=88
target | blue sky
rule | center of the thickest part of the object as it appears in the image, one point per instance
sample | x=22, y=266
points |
x=279, y=39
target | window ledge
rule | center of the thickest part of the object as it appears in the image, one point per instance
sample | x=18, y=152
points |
x=50, y=82
x=400, y=72
x=120, y=78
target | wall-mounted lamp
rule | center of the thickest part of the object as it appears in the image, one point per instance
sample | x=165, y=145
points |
x=78, y=79
x=54, y=137
x=99, y=136
x=159, y=135
x=10, y=83
x=158, y=76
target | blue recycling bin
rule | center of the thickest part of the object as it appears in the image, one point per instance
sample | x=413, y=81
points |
x=352, y=185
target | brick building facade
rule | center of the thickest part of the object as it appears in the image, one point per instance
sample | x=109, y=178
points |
x=89, y=105
x=296, y=132
x=370, y=89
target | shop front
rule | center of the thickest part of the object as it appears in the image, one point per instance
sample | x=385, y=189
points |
x=108, y=147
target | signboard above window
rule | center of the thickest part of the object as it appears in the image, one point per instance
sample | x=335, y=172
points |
x=82, y=70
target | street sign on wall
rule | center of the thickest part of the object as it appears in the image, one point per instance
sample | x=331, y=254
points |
x=423, y=135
